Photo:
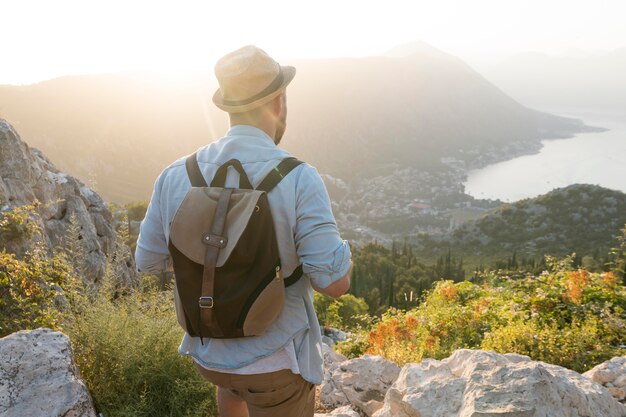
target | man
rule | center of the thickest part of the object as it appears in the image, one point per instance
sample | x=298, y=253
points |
x=272, y=374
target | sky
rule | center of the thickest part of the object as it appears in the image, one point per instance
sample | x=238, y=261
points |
x=43, y=39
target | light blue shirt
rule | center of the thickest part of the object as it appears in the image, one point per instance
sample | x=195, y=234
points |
x=306, y=232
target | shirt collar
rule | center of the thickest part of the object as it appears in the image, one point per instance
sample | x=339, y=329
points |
x=250, y=131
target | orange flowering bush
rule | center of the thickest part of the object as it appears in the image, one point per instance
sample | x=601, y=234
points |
x=575, y=282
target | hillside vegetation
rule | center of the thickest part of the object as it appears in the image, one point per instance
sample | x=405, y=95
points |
x=566, y=316
x=569, y=318
x=580, y=218
x=125, y=339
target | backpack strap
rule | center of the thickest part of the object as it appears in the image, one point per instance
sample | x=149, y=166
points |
x=214, y=241
x=294, y=277
x=197, y=179
x=220, y=176
x=193, y=171
x=270, y=181
x=279, y=172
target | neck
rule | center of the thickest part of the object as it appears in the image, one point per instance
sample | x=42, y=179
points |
x=266, y=124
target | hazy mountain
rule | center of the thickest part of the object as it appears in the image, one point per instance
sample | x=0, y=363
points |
x=581, y=80
x=347, y=116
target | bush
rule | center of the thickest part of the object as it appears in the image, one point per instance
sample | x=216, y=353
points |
x=29, y=289
x=127, y=352
x=16, y=223
x=346, y=312
x=565, y=316
x=137, y=210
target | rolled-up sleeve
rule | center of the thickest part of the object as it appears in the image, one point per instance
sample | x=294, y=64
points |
x=152, y=255
x=324, y=256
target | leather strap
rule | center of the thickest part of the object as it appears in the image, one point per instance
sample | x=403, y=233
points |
x=219, y=180
x=294, y=277
x=193, y=171
x=214, y=241
x=279, y=172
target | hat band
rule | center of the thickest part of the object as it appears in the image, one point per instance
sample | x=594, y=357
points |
x=278, y=81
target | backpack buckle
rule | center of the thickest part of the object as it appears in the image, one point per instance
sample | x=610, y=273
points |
x=214, y=240
x=205, y=302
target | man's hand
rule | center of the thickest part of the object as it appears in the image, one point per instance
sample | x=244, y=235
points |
x=339, y=287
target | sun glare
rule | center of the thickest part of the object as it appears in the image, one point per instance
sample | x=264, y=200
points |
x=76, y=37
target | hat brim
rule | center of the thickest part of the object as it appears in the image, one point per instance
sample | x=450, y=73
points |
x=288, y=74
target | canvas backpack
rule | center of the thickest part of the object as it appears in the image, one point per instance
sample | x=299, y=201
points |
x=228, y=278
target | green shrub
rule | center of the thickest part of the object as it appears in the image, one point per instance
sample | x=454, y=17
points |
x=137, y=210
x=29, y=290
x=346, y=312
x=127, y=352
x=16, y=223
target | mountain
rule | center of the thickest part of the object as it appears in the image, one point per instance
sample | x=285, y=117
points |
x=581, y=218
x=583, y=81
x=349, y=117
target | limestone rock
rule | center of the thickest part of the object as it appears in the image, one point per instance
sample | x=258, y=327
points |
x=26, y=176
x=330, y=397
x=474, y=383
x=361, y=383
x=345, y=411
x=611, y=374
x=38, y=377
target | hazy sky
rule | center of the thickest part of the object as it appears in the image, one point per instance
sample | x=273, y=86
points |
x=42, y=39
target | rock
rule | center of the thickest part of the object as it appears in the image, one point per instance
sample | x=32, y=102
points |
x=26, y=176
x=335, y=335
x=611, y=374
x=361, y=383
x=327, y=390
x=38, y=377
x=474, y=383
x=328, y=341
x=344, y=411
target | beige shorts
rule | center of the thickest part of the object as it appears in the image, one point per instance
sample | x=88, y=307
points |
x=281, y=393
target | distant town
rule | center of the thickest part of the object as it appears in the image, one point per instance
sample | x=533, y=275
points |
x=409, y=201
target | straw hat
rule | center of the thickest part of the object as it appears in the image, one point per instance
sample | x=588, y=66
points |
x=249, y=78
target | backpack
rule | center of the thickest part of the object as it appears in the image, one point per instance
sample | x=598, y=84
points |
x=228, y=280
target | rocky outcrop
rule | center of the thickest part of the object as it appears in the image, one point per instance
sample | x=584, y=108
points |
x=612, y=375
x=474, y=383
x=38, y=377
x=470, y=383
x=27, y=176
x=360, y=382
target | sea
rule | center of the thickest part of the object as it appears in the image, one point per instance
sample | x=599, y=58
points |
x=588, y=158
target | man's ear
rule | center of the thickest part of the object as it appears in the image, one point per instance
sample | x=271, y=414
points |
x=278, y=103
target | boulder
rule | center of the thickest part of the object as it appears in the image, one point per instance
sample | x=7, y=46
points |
x=361, y=383
x=28, y=177
x=38, y=377
x=612, y=375
x=474, y=383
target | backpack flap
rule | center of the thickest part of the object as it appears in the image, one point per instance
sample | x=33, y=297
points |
x=195, y=216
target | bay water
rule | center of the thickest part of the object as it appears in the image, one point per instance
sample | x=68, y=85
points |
x=588, y=158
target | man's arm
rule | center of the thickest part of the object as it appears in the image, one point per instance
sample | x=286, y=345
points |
x=325, y=257
x=152, y=255
x=339, y=287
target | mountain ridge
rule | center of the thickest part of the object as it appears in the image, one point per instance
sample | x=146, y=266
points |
x=349, y=117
